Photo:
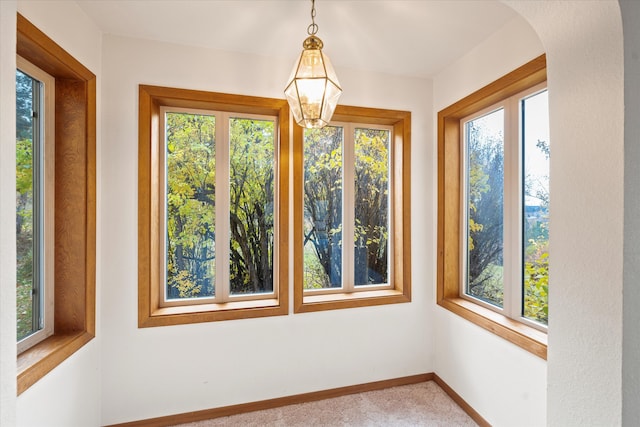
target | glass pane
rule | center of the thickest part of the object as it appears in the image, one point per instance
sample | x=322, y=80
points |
x=371, y=206
x=190, y=169
x=323, y=207
x=28, y=215
x=535, y=137
x=252, y=174
x=485, y=201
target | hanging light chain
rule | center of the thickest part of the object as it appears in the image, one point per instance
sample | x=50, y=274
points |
x=312, y=29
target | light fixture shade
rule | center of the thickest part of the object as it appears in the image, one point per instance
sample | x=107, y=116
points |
x=313, y=89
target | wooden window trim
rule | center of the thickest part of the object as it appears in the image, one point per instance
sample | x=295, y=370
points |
x=449, y=208
x=401, y=123
x=75, y=204
x=150, y=314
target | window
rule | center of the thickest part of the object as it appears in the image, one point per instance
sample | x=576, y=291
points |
x=506, y=184
x=35, y=106
x=352, y=185
x=213, y=179
x=493, y=207
x=72, y=202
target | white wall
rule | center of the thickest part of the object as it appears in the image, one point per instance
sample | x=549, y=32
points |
x=631, y=321
x=7, y=213
x=167, y=370
x=499, y=380
x=583, y=42
x=70, y=394
x=584, y=48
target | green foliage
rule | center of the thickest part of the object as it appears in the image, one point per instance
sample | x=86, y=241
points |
x=485, y=214
x=536, y=263
x=371, y=206
x=323, y=207
x=24, y=106
x=536, y=281
x=486, y=222
x=478, y=185
x=24, y=237
x=252, y=199
x=314, y=275
x=24, y=205
x=191, y=202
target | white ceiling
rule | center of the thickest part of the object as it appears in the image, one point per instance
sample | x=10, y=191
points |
x=406, y=37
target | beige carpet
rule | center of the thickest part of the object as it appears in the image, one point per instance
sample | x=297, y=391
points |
x=423, y=404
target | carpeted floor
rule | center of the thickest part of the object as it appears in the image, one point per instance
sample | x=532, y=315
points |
x=423, y=404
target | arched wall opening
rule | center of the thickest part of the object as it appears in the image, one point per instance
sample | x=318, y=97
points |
x=582, y=377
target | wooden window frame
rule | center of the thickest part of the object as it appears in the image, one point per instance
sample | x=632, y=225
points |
x=401, y=216
x=150, y=202
x=75, y=204
x=450, y=192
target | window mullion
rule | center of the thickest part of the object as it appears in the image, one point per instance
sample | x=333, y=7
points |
x=222, y=197
x=37, y=169
x=512, y=184
x=348, y=207
x=48, y=156
x=518, y=276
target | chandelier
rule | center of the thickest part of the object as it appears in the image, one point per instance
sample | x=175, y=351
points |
x=313, y=89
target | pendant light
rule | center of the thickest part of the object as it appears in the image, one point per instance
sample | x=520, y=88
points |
x=313, y=88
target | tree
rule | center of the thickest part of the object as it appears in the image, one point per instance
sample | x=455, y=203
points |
x=190, y=205
x=323, y=204
x=191, y=202
x=24, y=203
x=486, y=202
x=252, y=200
x=536, y=255
x=371, y=206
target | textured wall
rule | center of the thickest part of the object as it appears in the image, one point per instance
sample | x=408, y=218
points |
x=583, y=42
x=499, y=380
x=584, y=48
x=631, y=321
x=7, y=213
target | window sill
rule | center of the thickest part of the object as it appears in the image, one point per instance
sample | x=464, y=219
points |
x=40, y=359
x=200, y=313
x=310, y=303
x=525, y=337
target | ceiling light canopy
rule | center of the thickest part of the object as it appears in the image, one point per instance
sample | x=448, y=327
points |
x=313, y=89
